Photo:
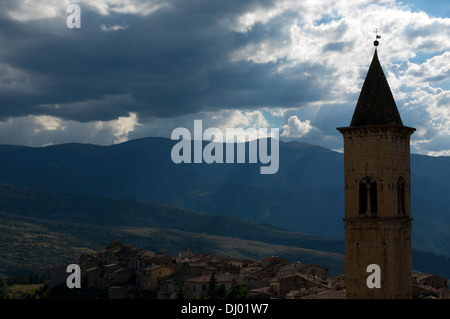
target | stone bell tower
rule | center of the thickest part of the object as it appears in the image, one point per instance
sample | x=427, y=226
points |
x=377, y=193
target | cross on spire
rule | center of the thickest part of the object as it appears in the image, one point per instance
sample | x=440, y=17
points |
x=376, y=42
x=376, y=34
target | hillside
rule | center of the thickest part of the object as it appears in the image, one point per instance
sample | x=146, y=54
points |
x=38, y=229
x=305, y=195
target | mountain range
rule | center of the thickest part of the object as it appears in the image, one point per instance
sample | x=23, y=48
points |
x=135, y=185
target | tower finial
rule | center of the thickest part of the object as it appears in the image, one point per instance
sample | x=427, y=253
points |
x=376, y=42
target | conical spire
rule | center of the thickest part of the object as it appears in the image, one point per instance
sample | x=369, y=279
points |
x=376, y=105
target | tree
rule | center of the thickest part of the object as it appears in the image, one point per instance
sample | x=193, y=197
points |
x=221, y=292
x=237, y=292
x=212, y=286
x=180, y=290
x=3, y=289
x=213, y=291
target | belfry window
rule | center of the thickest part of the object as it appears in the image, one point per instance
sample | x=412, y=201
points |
x=362, y=198
x=401, y=196
x=368, y=196
x=373, y=198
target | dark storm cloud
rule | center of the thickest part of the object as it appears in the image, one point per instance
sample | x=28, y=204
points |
x=173, y=62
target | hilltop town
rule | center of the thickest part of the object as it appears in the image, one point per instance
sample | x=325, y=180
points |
x=121, y=269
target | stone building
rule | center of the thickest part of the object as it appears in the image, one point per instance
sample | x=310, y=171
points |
x=377, y=192
x=430, y=280
x=293, y=282
x=86, y=261
x=197, y=287
x=151, y=275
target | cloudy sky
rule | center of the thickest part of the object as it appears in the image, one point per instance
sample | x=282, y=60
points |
x=141, y=68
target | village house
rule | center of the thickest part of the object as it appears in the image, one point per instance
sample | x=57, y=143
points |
x=429, y=280
x=197, y=287
x=428, y=286
x=196, y=268
x=152, y=274
x=121, y=268
x=274, y=261
x=260, y=293
x=315, y=272
x=119, y=265
x=324, y=294
x=86, y=261
x=94, y=277
x=259, y=279
x=294, y=282
x=195, y=265
x=144, y=259
x=121, y=254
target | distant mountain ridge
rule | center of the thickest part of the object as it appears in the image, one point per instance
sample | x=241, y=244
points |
x=38, y=229
x=306, y=194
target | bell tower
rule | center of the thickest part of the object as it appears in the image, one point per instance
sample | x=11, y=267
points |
x=377, y=193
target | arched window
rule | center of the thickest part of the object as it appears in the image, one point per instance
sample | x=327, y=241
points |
x=401, y=196
x=363, y=197
x=373, y=198
x=368, y=196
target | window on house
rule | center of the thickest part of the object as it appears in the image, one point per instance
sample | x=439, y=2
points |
x=368, y=196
